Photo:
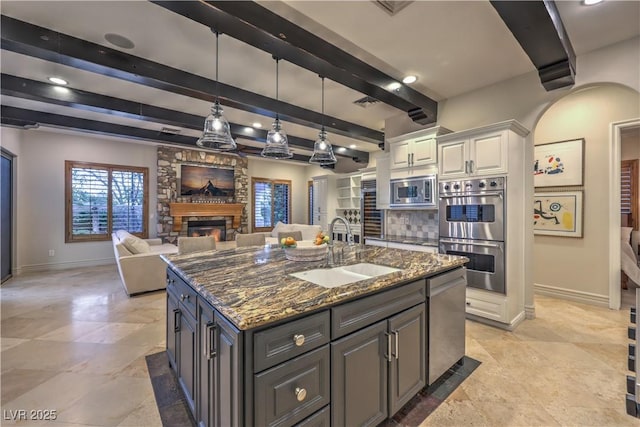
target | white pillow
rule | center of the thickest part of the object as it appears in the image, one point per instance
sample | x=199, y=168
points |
x=279, y=227
x=625, y=234
x=134, y=244
x=309, y=232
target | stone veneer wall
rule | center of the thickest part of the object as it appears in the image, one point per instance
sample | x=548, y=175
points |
x=169, y=161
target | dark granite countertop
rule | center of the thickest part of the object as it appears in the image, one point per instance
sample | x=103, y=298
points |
x=420, y=241
x=251, y=286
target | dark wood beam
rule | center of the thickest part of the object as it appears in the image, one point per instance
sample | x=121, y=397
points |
x=89, y=101
x=39, y=42
x=13, y=116
x=539, y=29
x=259, y=27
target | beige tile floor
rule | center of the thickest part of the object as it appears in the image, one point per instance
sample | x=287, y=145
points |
x=73, y=342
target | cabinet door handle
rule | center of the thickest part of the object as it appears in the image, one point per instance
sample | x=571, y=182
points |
x=209, y=340
x=412, y=159
x=397, y=338
x=466, y=166
x=408, y=159
x=298, y=339
x=388, y=355
x=471, y=166
x=176, y=320
x=301, y=394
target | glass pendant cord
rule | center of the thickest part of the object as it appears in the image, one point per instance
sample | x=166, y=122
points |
x=322, y=150
x=217, y=133
x=277, y=145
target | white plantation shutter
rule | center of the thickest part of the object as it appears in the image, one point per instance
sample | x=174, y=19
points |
x=629, y=192
x=101, y=199
x=271, y=203
x=625, y=188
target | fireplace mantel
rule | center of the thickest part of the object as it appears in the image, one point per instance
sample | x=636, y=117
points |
x=179, y=210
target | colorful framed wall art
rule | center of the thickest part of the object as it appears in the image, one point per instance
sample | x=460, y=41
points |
x=558, y=214
x=558, y=164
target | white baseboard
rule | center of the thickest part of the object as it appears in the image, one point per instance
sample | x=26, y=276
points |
x=529, y=312
x=64, y=265
x=572, y=295
x=506, y=326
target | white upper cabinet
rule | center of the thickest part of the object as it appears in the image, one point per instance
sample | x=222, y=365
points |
x=484, y=153
x=416, y=149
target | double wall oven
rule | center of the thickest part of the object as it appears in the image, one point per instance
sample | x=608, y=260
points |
x=472, y=224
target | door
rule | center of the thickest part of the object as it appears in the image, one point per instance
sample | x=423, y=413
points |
x=359, y=377
x=400, y=153
x=173, y=313
x=205, y=409
x=453, y=158
x=479, y=217
x=489, y=154
x=407, y=370
x=485, y=269
x=187, y=357
x=6, y=221
x=229, y=373
x=424, y=152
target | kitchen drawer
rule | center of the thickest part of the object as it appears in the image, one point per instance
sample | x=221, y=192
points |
x=321, y=418
x=284, y=342
x=186, y=294
x=488, y=305
x=290, y=392
x=350, y=317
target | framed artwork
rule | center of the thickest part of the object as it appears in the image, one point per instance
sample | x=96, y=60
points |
x=206, y=181
x=558, y=214
x=558, y=163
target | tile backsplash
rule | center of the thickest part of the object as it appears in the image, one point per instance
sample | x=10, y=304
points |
x=412, y=223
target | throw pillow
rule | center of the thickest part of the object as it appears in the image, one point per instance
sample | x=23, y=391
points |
x=134, y=244
x=625, y=234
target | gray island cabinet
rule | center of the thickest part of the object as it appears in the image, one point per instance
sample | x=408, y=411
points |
x=253, y=346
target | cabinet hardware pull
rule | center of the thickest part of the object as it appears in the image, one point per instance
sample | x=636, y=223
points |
x=468, y=303
x=182, y=297
x=176, y=320
x=471, y=165
x=388, y=347
x=210, y=352
x=397, y=338
x=412, y=159
x=408, y=159
x=466, y=166
x=298, y=339
x=301, y=394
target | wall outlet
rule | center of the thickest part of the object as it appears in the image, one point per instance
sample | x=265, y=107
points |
x=52, y=252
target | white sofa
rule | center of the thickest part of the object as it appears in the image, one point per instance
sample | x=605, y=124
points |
x=309, y=232
x=139, y=264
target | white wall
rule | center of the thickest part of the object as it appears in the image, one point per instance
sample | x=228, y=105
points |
x=278, y=169
x=40, y=194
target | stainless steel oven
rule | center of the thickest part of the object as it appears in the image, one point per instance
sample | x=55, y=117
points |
x=472, y=224
x=485, y=269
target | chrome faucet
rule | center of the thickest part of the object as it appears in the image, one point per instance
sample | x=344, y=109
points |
x=330, y=254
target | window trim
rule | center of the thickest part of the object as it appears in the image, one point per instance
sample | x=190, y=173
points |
x=69, y=165
x=253, y=201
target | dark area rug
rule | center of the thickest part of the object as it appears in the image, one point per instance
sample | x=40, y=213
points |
x=175, y=412
x=173, y=407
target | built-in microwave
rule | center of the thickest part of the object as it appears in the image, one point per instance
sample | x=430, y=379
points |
x=417, y=191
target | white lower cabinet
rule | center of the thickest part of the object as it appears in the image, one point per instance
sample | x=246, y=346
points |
x=489, y=305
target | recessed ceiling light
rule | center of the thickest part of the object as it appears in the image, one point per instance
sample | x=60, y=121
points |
x=257, y=125
x=61, y=89
x=341, y=149
x=58, y=80
x=394, y=86
x=248, y=129
x=119, y=41
x=591, y=2
x=352, y=146
x=409, y=79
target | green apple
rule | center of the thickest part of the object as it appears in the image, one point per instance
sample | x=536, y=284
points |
x=325, y=238
x=283, y=240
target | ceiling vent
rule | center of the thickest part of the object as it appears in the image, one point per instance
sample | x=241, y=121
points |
x=366, y=101
x=392, y=7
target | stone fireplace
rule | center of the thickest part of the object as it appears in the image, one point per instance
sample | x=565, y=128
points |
x=176, y=213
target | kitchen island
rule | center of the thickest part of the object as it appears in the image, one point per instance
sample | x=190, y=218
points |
x=253, y=345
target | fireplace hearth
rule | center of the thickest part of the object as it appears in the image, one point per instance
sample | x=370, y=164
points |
x=215, y=227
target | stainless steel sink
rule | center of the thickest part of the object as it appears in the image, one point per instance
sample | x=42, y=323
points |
x=343, y=275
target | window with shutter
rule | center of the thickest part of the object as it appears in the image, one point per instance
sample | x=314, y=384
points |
x=101, y=199
x=629, y=193
x=271, y=203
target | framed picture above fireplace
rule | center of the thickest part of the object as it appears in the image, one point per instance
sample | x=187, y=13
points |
x=206, y=181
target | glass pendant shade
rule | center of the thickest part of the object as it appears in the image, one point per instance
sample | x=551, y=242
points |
x=322, y=151
x=217, y=133
x=277, y=145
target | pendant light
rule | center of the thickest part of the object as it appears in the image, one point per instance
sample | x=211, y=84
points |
x=277, y=146
x=216, y=134
x=322, y=151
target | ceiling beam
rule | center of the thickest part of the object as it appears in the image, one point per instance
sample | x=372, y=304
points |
x=539, y=29
x=261, y=28
x=43, y=43
x=13, y=116
x=88, y=101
